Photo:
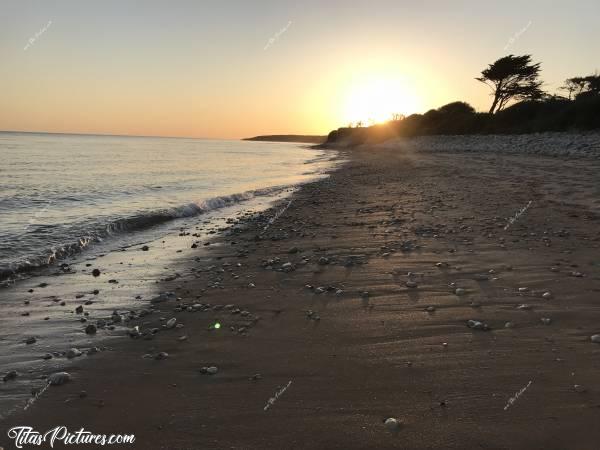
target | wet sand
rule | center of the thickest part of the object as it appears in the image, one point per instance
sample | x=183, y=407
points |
x=341, y=342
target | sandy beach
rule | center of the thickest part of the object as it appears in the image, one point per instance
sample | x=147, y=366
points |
x=349, y=303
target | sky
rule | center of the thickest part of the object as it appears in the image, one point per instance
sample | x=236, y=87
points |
x=232, y=69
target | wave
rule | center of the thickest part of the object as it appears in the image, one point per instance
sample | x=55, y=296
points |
x=138, y=222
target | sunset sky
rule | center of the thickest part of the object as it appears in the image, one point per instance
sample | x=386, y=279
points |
x=230, y=69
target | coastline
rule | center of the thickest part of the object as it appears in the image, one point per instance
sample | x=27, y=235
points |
x=352, y=359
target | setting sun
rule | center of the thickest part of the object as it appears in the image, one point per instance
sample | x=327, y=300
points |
x=377, y=99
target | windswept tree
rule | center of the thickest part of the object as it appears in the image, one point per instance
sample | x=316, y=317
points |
x=512, y=78
x=577, y=86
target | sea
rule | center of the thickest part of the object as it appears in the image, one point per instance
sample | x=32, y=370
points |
x=73, y=203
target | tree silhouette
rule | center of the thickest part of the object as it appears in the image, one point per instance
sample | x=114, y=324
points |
x=589, y=85
x=512, y=78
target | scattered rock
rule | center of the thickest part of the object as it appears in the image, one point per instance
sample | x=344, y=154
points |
x=579, y=388
x=595, y=338
x=58, y=378
x=411, y=284
x=10, y=376
x=161, y=355
x=73, y=353
x=460, y=291
x=145, y=248
x=547, y=295
x=79, y=310
x=91, y=329
x=96, y=272
x=210, y=370
x=287, y=267
x=477, y=325
x=392, y=424
x=171, y=323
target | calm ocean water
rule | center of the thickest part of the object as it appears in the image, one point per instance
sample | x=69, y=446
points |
x=60, y=194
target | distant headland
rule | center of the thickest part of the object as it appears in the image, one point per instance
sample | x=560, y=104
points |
x=289, y=138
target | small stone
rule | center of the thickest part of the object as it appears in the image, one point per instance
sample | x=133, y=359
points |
x=411, y=284
x=73, y=353
x=96, y=272
x=47, y=356
x=477, y=325
x=430, y=309
x=460, y=291
x=523, y=289
x=595, y=338
x=145, y=248
x=212, y=370
x=160, y=356
x=392, y=424
x=546, y=320
x=91, y=329
x=287, y=267
x=579, y=388
x=58, y=378
x=79, y=309
x=10, y=376
x=171, y=323
x=547, y=295
x=30, y=340
x=508, y=325
x=524, y=307
x=134, y=332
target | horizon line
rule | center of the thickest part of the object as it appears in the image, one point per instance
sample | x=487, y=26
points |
x=118, y=135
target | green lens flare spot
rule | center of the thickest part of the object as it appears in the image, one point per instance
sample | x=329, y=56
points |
x=217, y=326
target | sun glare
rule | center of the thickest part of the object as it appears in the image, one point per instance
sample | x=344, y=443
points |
x=378, y=100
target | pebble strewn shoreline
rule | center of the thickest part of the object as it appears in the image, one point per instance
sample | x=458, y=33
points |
x=548, y=144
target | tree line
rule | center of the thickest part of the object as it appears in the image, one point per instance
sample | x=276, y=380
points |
x=519, y=105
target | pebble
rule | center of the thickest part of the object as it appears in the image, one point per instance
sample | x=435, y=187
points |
x=430, y=309
x=595, y=338
x=287, y=267
x=161, y=355
x=579, y=388
x=546, y=320
x=411, y=284
x=58, y=378
x=73, y=353
x=509, y=325
x=30, y=340
x=79, y=309
x=547, y=295
x=392, y=424
x=96, y=272
x=171, y=323
x=460, y=291
x=477, y=325
x=211, y=370
x=91, y=329
x=10, y=376
x=47, y=356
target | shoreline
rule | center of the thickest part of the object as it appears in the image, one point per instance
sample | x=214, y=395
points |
x=366, y=341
